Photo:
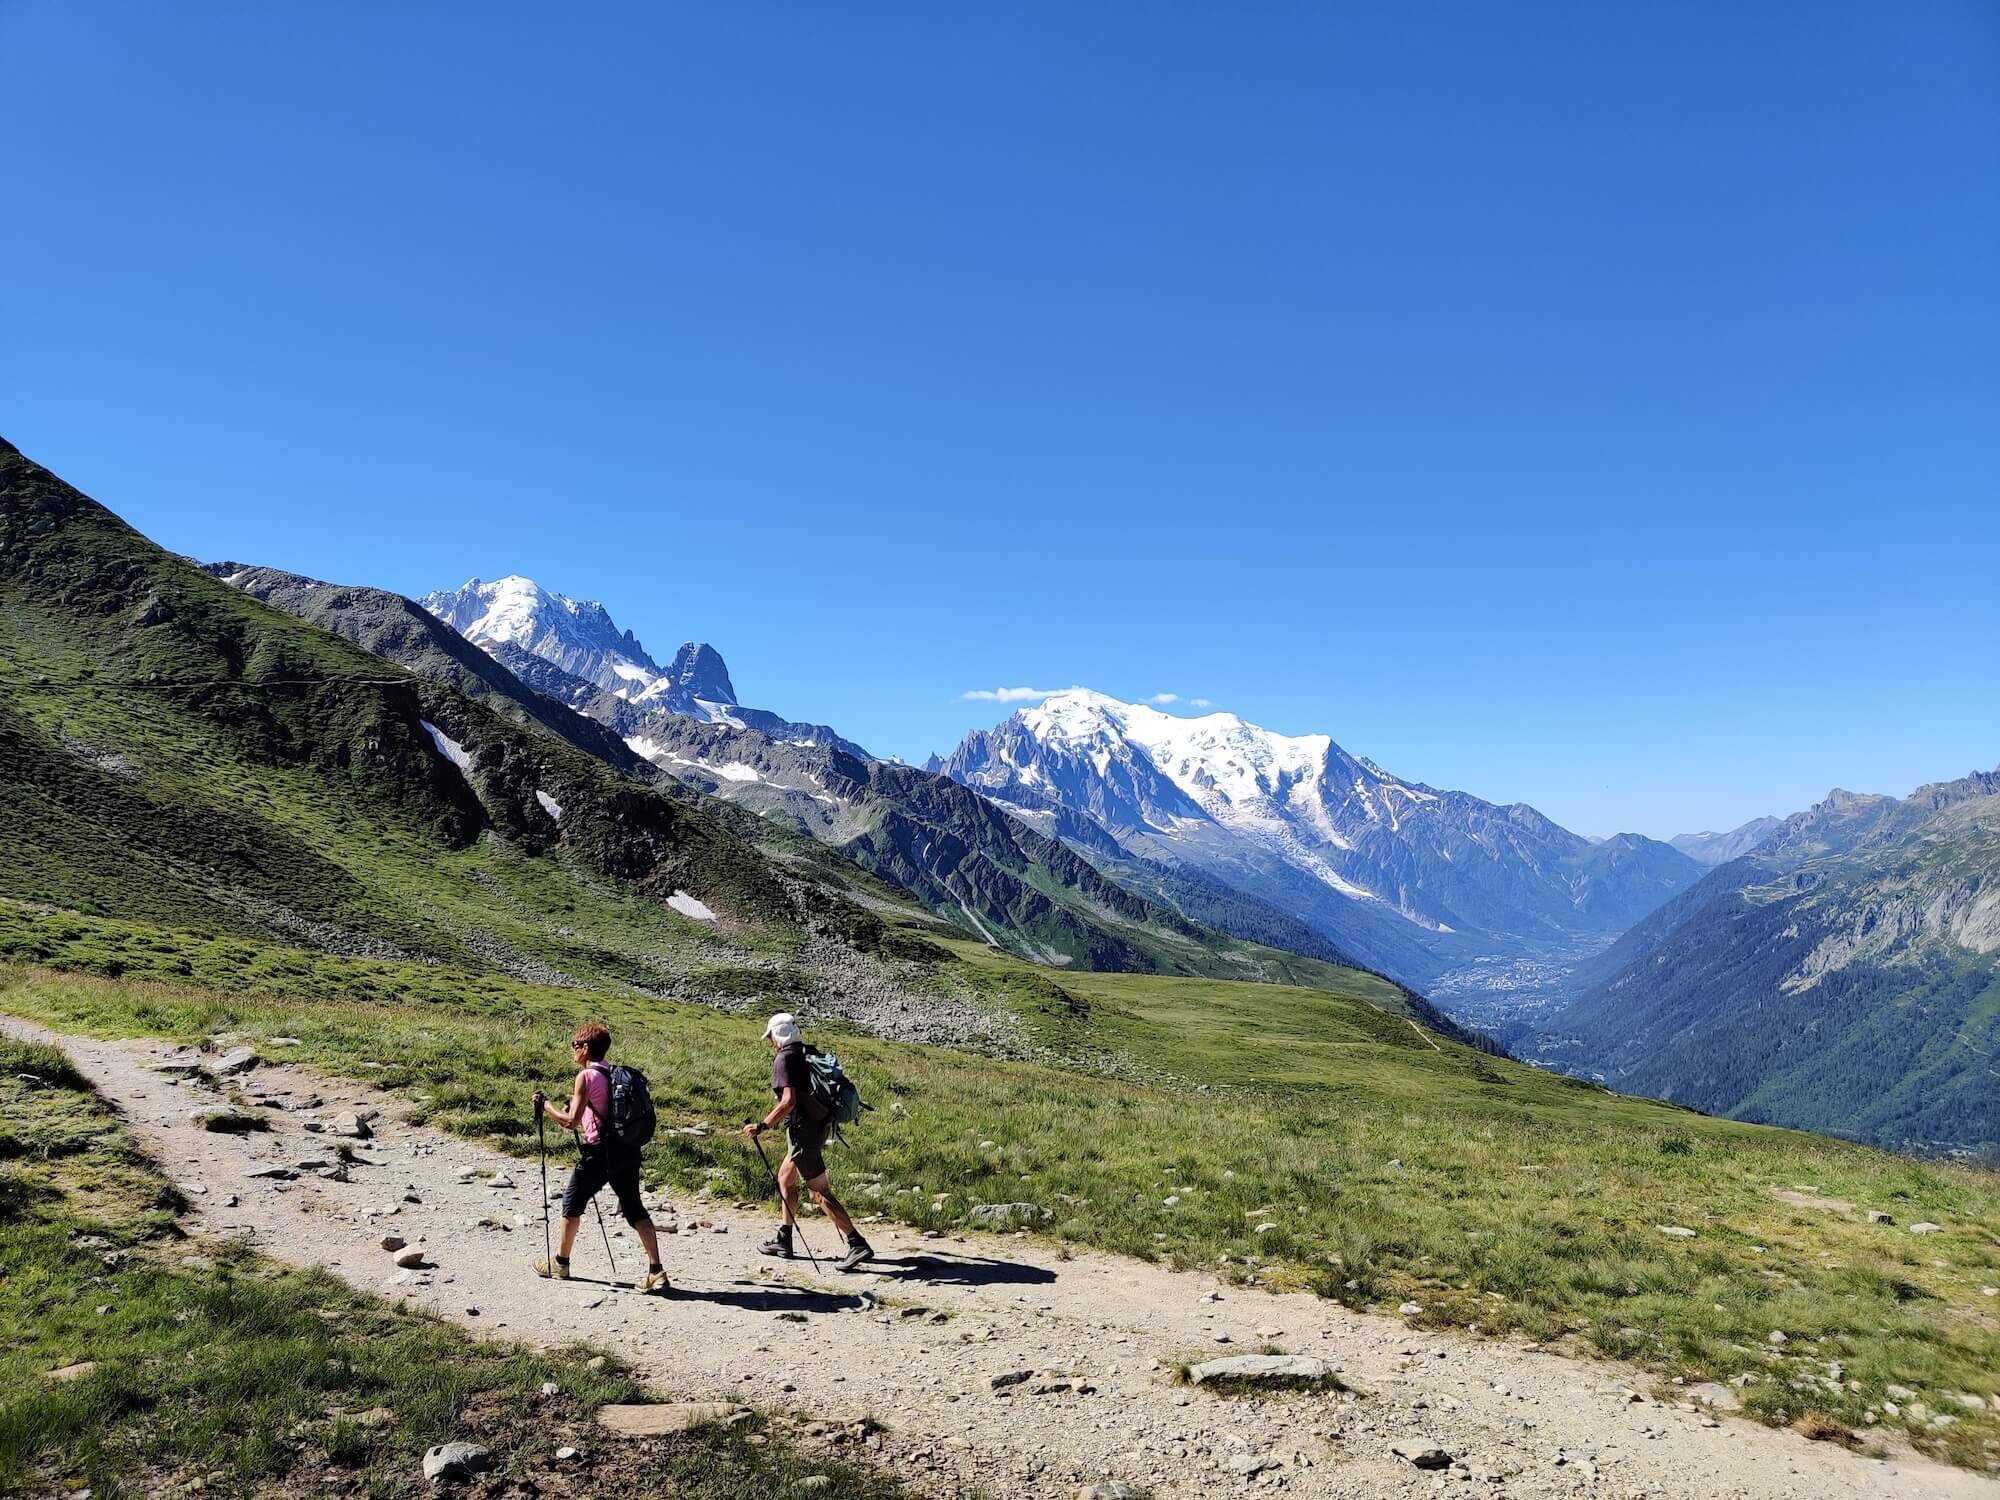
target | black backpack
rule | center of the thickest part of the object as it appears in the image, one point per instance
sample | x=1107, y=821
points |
x=632, y=1119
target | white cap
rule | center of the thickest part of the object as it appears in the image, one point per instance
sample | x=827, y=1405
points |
x=783, y=1028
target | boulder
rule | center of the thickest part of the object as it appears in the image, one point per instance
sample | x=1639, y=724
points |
x=1251, y=1368
x=1679, y=1232
x=348, y=1123
x=72, y=1372
x=393, y=1242
x=1421, y=1453
x=411, y=1259
x=1925, y=1228
x=662, y=1419
x=1251, y=1463
x=455, y=1463
x=235, y=1060
x=1709, y=1393
x=1008, y=1378
x=180, y=1064
x=1000, y=1215
x=275, y=1174
x=1876, y=1216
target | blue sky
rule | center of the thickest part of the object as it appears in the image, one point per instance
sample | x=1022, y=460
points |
x=1587, y=405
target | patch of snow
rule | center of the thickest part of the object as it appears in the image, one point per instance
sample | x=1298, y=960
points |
x=688, y=906
x=651, y=750
x=448, y=747
x=549, y=804
x=733, y=771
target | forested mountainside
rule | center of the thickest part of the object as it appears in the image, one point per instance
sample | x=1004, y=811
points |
x=1843, y=977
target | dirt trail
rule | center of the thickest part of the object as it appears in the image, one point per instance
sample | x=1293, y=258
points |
x=837, y=1348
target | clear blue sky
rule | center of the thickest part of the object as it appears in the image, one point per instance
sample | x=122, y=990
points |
x=1591, y=405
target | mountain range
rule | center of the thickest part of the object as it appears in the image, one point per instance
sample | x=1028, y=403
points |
x=503, y=780
x=1476, y=904
x=1843, y=975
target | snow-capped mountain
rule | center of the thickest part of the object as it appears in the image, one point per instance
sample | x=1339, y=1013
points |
x=1437, y=888
x=576, y=635
x=572, y=651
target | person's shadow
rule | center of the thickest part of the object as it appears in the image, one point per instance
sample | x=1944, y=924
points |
x=944, y=1269
x=771, y=1297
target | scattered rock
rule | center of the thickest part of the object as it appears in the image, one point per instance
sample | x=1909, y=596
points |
x=1678, y=1231
x=193, y=1189
x=1776, y=1336
x=1925, y=1228
x=72, y=1372
x=1708, y=1393
x=393, y=1242
x=1421, y=1453
x=1411, y=1309
x=1009, y=1378
x=1252, y=1463
x=235, y=1060
x=349, y=1124
x=665, y=1418
x=1112, y=1489
x=1876, y=1216
x=501, y=1179
x=411, y=1259
x=564, y=1455
x=455, y=1463
x=1003, y=1214
x=275, y=1174
x=224, y=1120
x=1253, y=1368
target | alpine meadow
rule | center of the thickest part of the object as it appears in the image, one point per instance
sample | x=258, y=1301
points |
x=549, y=946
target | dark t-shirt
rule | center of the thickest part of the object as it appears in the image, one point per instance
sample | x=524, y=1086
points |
x=789, y=1070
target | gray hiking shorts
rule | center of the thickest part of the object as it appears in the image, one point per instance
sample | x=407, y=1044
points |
x=807, y=1147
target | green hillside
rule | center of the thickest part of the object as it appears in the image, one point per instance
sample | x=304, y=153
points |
x=175, y=751
x=1278, y=1136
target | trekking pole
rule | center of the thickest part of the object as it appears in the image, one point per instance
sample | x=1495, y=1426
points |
x=542, y=1141
x=600, y=1216
x=790, y=1217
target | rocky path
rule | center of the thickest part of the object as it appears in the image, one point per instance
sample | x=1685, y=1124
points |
x=992, y=1365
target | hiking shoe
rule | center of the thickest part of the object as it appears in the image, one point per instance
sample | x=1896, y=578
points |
x=779, y=1244
x=558, y=1269
x=859, y=1252
x=655, y=1281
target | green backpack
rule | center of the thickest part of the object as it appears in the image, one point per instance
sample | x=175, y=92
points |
x=835, y=1098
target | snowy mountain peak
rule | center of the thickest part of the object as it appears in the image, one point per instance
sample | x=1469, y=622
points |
x=578, y=636
x=1415, y=879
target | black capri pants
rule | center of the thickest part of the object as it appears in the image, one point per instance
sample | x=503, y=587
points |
x=599, y=1165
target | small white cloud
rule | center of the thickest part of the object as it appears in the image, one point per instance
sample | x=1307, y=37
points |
x=1006, y=695
x=1164, y=698
x=1200, y=703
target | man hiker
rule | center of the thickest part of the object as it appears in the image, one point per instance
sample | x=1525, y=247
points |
x=600, y=1159
x=807, y=1122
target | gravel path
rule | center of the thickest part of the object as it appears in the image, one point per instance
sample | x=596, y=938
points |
x=915, y=1343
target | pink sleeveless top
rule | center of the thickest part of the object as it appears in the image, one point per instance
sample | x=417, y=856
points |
x=596, y=1100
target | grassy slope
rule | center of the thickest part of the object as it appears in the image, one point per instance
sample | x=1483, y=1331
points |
x=246, y=1373
x=173, y=750
x=1391, y=1167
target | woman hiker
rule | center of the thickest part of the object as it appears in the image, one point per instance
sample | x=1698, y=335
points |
x=600, y=1159
x=806, y=1123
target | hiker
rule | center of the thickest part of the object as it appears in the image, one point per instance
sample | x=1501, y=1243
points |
x=601, y=1159
x=807, y=1121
